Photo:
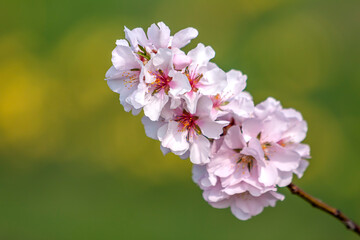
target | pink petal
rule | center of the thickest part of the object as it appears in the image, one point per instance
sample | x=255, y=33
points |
x=159, y=35
x=199, y=150
x=183, y=37
x=179, y=84
x=283, y=159
x=173, y=138
x=212, y=129
x=234, y=139
x=251, y=128
x=201, y=54
x=151, y=127
x=123, y=58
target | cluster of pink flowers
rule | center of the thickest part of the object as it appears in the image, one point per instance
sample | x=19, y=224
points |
x=240, y=152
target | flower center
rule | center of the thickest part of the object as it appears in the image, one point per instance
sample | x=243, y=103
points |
x=217, y=101
x=187, y=122
x=193, y=78
x=246, y=161
x=161, y=82
x=265, y=146
x=130, y=78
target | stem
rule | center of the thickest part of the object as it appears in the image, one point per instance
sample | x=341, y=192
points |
x=325, y=207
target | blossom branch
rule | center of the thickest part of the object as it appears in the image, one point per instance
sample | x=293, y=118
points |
x=241, y=151
x=325, y=207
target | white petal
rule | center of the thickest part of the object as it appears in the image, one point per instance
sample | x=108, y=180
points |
x=136, y=111
x=151, y=127
x=212, y=129
x=181, y=61
x=283, y=159
x=153, y=109
x=250, y=204
x=274, y=128
x=185, y=156
x=123, y=58
x=201, y=54
x=234, y=139
x=163, y=59
x=251, y=128
x=284, y=178
x=204, y=107
x=122, y=42
x=241, y=105
x=191, y=99
x=302, y=167
x=141, y=37
x=159, y=35
x=179, y=84
x=173, y=138
x=213, y=82
x=221, y=204
x=240, y=214
x=268, y=175
x=183, y=37
x=164, y=150
x=214, y=194
x=236, y=82
x=198, y=172
x=302, y=149
x=267, y=107
x=131, y=37
x=200, y=150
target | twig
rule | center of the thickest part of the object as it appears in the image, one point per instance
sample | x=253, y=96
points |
x=325, y=207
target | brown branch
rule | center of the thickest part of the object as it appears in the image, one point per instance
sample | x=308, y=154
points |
x=325, y=207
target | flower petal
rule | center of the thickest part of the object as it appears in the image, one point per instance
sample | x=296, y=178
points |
x=159, y=35
x=283, y=159
x=151, y=127
x=234, y=139
x=183, y=37
x=201, y=54
x=199, y=150
x=173, y=138
x=123, y=58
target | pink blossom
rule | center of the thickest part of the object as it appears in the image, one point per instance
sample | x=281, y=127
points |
x=243, y=204
x=183, y=131
x=241, y=152
x=205, y=78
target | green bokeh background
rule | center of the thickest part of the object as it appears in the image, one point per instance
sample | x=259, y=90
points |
x=74, y=165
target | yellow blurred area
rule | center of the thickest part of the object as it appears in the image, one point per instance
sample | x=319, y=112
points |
x=49, y=109
x=21, y=103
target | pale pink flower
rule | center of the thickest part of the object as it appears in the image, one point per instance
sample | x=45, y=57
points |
x=205, y=78
x=158, y=36
x=238, y=164
x=243, y=204
x=233, y=101
x=184, y=131
x=161, y=84
x=124, y=76
x=279, y=132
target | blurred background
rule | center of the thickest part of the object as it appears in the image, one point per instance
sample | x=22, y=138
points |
x=74, y=165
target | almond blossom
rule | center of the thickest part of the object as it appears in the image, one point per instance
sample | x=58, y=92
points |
x=205, y=77
x=181, y=131
x=279, y=132
x=241, y=152
x=126, y=75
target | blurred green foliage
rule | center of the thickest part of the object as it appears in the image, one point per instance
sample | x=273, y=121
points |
x=74, y=165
